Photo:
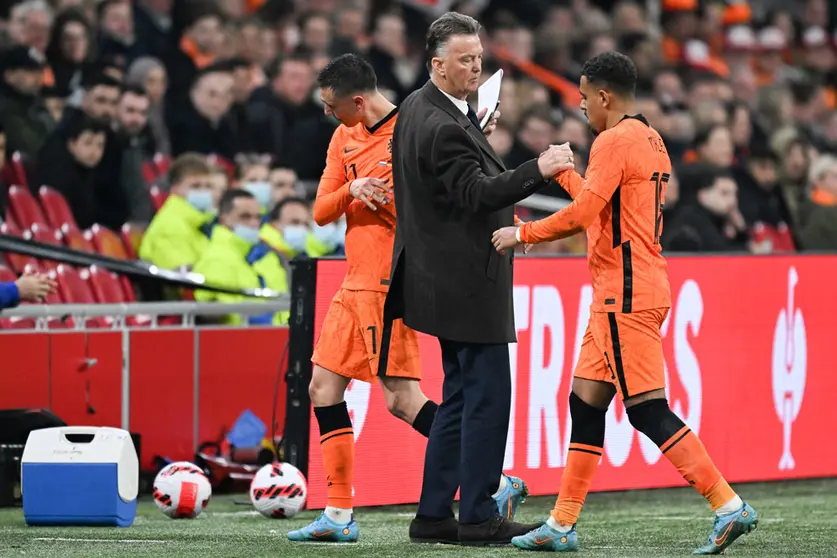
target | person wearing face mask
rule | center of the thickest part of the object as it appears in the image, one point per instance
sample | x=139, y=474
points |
x=252, y=174
x=238, y=259
x=288, y=229
x=176, y=237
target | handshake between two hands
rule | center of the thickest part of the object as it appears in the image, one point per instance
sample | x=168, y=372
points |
x=555, y=160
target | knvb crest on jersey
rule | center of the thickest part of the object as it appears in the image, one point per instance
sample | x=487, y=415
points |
x=790, y=355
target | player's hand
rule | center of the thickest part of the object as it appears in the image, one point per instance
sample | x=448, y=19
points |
x=34, y=287
x=505, y=238
x=371, y=191
x=492, y=122
x=555, y=160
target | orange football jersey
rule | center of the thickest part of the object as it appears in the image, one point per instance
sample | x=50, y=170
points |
x=360, y=152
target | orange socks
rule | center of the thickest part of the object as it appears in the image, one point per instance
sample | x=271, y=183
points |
x=686, y=452
x=338, y=446
x=582, y=461
x=586, y=442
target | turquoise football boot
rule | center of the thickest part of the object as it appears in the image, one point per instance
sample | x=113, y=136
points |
x=547, y=539
x=324, y=529
x=728, y=528
x=510, y=498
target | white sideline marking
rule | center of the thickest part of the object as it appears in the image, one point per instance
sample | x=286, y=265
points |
x=117, y=541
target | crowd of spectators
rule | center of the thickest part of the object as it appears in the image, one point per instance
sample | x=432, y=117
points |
x=99, y=97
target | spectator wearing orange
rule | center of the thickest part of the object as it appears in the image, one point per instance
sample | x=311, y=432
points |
x=200, y=46
x=819, y=211
x=713, y=146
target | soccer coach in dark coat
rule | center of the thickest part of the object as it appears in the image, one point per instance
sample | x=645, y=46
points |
x=451, y=193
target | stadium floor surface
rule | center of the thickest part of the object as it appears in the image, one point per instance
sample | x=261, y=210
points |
x=797, y=518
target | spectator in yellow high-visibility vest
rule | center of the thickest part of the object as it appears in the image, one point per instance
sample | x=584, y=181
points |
x=176, y=237
x=237, y=259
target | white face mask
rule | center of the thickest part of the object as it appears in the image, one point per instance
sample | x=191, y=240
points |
x=248, y=234
x=295, y=236
x=200, y=199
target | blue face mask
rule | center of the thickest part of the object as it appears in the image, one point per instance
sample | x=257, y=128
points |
x=248, y=234
x=295, y=236
x=261, y=191
x=327, y=235
x=200, y=199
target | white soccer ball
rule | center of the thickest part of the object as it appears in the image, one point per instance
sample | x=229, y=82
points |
x=181, y=490
x=278, y=490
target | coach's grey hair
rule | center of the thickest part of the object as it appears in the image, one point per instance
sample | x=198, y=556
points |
x=447, y=26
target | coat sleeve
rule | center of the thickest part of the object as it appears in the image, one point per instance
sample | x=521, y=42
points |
x=9, y=295
x=455, y=162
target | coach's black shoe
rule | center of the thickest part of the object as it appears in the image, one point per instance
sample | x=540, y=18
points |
x=434, y=531
x=496, y=531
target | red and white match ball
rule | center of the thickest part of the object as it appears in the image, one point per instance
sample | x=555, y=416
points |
x=278, y=490
x=181, y=490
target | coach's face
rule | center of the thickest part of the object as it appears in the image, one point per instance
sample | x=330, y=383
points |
x=594, y=103
x=460, y=66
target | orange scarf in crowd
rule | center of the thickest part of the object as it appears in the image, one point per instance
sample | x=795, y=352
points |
x=821, y=197
x=191, y=50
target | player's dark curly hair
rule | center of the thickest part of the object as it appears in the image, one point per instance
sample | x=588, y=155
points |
x=613, y=71
x=348, y=74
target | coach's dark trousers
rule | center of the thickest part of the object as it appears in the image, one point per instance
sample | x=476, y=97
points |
x=468, y=439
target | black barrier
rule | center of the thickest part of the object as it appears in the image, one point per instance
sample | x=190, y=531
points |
x=133, y=268
x=301, y=347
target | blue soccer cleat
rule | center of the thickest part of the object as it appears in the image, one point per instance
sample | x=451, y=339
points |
x=510, y=498
x=324, y=529
x=547, y=539
x=728, y=528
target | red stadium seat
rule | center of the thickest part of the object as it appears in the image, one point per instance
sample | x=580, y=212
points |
x=106, y=242
x=14, y=171
x=73, y=287
x=25, y=209
x=131, y=238
x=7, y=275
x=158, y=197
x=73, y=238
x=108, y=289
x=57, y=209
x=40, y=233
x=155, y=168
x=18, y=262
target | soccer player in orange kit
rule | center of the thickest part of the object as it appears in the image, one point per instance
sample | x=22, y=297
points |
x=619, y=203
x=357, y=182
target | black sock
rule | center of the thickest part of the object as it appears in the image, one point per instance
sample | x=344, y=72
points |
x=655, y=419
x=333, y=417
x=424, y=418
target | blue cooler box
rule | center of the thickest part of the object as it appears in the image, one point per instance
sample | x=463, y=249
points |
x=79, y=475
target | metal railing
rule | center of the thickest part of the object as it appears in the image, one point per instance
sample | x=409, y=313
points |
x=43, y=313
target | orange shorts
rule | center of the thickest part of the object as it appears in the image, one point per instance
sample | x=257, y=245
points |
x=350, y=339
x=625, y=350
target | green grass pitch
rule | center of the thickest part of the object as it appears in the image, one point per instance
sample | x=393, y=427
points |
x=796, y=519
